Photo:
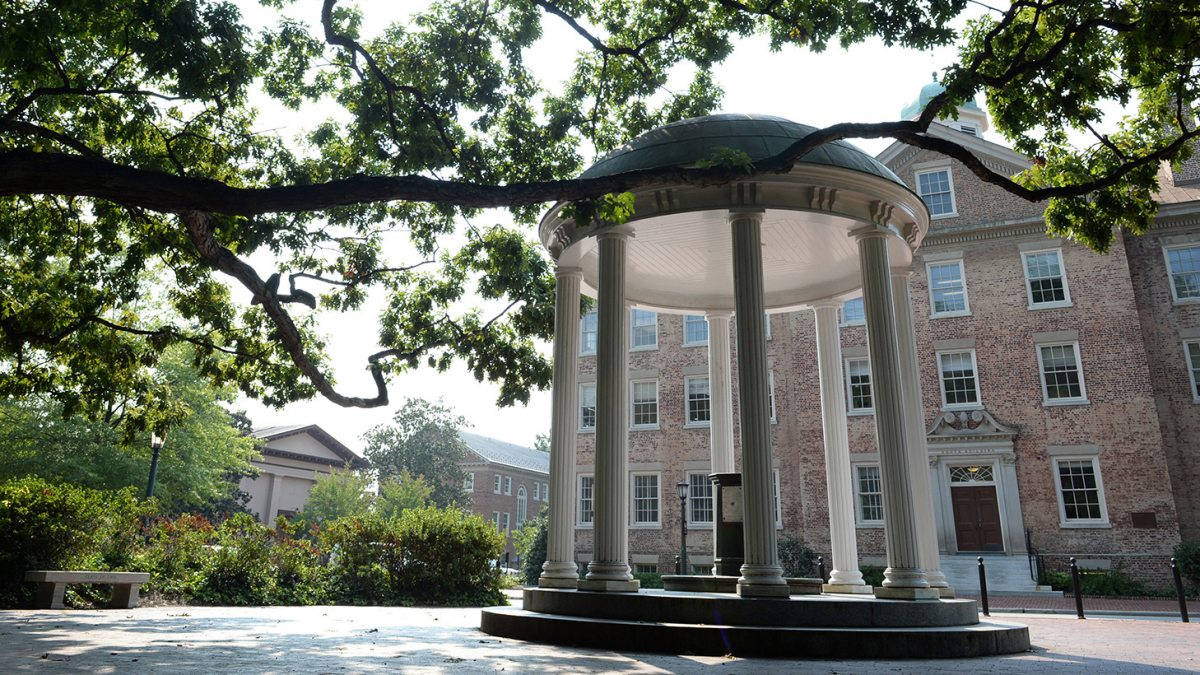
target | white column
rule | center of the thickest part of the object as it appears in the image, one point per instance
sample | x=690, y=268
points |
x=903, y=578
x=720, y=392
x=609, y=568
x=845, y=577
x=918, y=452
x=559, y=569
x=761, y=573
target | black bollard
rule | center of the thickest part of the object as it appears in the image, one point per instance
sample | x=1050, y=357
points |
x=821, y=568
x=1075, y=588
x=1183, y=613
x=983, y=587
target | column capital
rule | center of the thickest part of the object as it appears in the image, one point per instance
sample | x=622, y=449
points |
x=745, y=214
x=718, y=314
x=616, y=232
x=568, y=271
x=902, y=271
x=826, y=303
x=870, y=231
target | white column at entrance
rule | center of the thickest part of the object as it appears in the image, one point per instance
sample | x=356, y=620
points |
x=918, y=452
x=903, y=578
x=720, y=391
x=761, y=573
x=845, y=577
x=609, y=568
x=559, y=569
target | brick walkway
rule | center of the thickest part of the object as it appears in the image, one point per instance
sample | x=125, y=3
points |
x=1045, y=602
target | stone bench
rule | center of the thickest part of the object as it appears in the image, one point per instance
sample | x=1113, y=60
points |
x=52, y=584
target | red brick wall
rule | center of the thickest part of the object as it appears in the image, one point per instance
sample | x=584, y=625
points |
x=485, y=502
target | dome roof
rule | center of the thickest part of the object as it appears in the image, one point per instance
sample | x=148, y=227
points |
x=689, y=141
x=927, y=93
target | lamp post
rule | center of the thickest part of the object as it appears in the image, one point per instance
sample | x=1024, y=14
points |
x=682, y=486
x=156, y=443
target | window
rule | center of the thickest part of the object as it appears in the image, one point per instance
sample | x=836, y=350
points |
x=1183, y=266
x=771, y=394
x=1080, y=492
x=858, y=386
x=1062, y=376
x=947, y=289
x=469, y=482
x=700, y=499
x=853, y=313
x=698, y=402
x=496, y=485
x=968, y=129
x=767, y=325
x=508, y=485
x=936, y=188
x=587, y=333
x=645, y=568
x=643, y=330
x=868, y=487
x=1046, y=284
x=776, y=507
x=972, y=473
x=545, y=492
x=585, y=513
x=496, y=520
x=645, y=499
x=537, y=491
x=645, y=404
x=1191, y=350
x=695, y=330
x=522, y=506
x=587, y=406
x=960, y=389
x=507, y=522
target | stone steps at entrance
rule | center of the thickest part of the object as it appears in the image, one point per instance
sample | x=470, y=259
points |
x=1005, y=573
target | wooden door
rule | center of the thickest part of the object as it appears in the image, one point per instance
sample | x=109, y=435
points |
x=977, y=518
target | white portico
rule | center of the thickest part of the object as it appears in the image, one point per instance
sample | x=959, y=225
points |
x=838, y=222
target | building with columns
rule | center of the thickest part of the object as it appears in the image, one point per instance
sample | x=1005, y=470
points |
x=1044, y=396
x=290, y=460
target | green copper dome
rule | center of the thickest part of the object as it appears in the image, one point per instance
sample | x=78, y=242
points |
x=927, y=93
x=686, y=142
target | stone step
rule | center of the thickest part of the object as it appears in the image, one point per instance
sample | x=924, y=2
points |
x=1006, y=574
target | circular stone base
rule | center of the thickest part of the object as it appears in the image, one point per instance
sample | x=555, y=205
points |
x=822, y=626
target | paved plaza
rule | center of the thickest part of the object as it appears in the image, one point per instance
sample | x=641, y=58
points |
x=358, y=639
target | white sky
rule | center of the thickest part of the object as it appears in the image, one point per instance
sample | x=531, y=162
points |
x=868, y=83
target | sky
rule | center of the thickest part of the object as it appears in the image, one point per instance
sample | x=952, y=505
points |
x=867, y=83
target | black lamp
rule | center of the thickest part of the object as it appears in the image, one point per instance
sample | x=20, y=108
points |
x=682, y=486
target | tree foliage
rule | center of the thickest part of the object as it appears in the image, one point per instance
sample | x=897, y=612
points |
x=402, y=493
x=134, y=135
x=421, y=441
x=338, y=494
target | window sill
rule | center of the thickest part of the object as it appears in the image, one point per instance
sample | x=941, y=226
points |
x=700, y=526
x=1097, y=525
x=1185, y=301
x=940, y=216
x=1050, y=305
x=869, y=526
x=580, y=526
x=697, y=425
x=647, y=348
x=852, y=325
x=950, y=315
x=645, y=526
x=1059, y=402
x=962, y=406
x=695, y=344
x=860, y=413
x=648, y=427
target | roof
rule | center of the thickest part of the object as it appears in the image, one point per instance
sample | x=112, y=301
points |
x=927, y=93
x=686, y=142
x=508, y=454
x=338, y=448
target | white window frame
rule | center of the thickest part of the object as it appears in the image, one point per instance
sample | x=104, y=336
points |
x=842, y=314
x=859, y=520
x=1080, y=523
x=657, y=406
x=850, y=409
x=949, y=180
x=767, y=325
x=537, y=491
x=633, y=522
x=508, y=484
x=778, y=499
x=695, y=343
x=469, y=482
x=1175, y=299
x=496, y=520
x=771, y=396
x=962, y=275
x=688, y=423
x=1062, y=268
x=579, y=414
x=579, y=522
x=507, y=521
x=1187, y=363
x=583, y=322
x=632, y=325
x=522, y=505
x=946, y=405
x=1082, y=399
x=712, y=497
x=496, y=484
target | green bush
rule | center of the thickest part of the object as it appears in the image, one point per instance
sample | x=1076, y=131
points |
x=176, y=553
x=649, y=579
x=530, y=542
x=240, y=571
x=1187, y=557
x=301, y=577
x=46, y=525
x=797, y=559
x=1096, y=582
x=872, y=575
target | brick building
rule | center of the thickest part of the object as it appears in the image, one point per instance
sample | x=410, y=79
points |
x=508, y=484
x=1059, y=387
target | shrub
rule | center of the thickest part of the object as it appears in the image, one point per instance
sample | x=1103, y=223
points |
x=339, y=494
x=530, y=542
x=1096, y=582
x=796, y=558
x=872, y=574
x=46, y=525
x=301, y=577
x=649, y=579
x=175, y=554
x=240, y=571
x=1187, y=557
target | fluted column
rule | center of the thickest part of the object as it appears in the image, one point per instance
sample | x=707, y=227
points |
x=761, y=573
x=559, y=569
x=609, y=568
x=903, y=578
x=918, y=452
x=845, y=577
x=720, y=392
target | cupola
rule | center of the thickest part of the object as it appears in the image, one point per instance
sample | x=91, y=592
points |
x=971, y=118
